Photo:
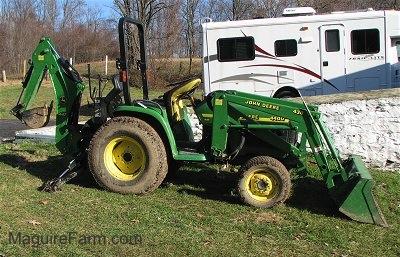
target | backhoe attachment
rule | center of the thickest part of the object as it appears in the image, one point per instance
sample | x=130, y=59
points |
x=67, y=86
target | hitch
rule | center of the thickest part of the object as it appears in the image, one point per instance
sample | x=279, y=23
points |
x=74, y=168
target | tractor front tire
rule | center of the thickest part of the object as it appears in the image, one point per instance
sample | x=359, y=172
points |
x=127, y=156
x=264, y=182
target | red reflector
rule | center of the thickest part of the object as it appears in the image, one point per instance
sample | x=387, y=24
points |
x=123, y=76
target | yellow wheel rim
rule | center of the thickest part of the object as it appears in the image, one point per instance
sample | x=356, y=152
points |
x=263, y=185
x=124, y=158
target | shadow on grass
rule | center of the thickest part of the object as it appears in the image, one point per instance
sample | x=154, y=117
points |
x=202, y=181
x=312, y=195
x=197, y=179
x=48, y=169
x=307, y=193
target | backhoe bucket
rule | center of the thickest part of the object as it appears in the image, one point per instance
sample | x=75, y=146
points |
x=354, y=196
x=37, y=117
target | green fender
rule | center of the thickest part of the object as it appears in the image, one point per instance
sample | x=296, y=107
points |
x=157, y=115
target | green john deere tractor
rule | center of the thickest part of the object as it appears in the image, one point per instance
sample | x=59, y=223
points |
x=129, y=145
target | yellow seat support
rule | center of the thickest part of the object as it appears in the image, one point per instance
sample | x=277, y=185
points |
x=173, y=98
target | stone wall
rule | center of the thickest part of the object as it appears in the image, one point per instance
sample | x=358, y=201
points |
x=370, y=128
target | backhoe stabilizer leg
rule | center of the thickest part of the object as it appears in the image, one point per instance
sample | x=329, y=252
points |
x=73, y=169
x=355, y=197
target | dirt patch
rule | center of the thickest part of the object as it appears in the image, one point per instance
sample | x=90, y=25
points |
x=269, y=217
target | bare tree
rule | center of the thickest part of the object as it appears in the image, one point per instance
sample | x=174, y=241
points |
x=47, y=12
x=71, y=12
x=242, y=9
x=214, y=9
x=143, y=10
x=189, y=15
x=22, y=28
x=347, y=5
x=165, y=31
x=220, y=10
x=271, y=8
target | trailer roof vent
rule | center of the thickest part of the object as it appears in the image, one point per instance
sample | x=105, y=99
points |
x=298, y=11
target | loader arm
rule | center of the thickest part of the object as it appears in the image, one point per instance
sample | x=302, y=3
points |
x=67, y=86
x=348, y=182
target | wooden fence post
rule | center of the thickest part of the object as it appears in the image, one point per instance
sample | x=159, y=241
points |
x=106, y=67
x=24, y=69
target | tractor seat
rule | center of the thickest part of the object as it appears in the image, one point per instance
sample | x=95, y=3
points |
x=173, y=98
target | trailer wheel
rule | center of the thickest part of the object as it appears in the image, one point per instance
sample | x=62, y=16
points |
x=126, y=155
x=264, y=182
x=287, y=94
x=289, y=136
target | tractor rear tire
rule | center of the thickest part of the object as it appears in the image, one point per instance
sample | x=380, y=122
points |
x=127, y=156
x=264, y=182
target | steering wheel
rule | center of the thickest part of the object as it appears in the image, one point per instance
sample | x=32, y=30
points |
x=190, y=95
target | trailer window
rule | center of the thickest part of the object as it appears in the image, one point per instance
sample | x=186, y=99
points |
x=286, y=47
x=365, y=41
x=398, y=50
x=332, y=42
x=236, y=49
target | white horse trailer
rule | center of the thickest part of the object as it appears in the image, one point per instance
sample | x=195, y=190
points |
x=318, y=54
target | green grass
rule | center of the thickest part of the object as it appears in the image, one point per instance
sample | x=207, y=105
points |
x=195, y=214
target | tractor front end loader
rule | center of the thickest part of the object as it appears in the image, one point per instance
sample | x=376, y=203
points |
x=130, y=144
x=232, y=113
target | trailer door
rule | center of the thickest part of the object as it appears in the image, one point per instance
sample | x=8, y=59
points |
x=333, y=58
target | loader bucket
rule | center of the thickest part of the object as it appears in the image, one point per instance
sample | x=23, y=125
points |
x=37, y=117
x=354, y=196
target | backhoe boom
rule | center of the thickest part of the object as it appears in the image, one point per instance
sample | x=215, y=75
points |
x=67, y=87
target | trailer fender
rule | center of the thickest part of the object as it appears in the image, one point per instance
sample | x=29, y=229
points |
x=285, y=92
